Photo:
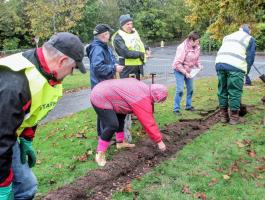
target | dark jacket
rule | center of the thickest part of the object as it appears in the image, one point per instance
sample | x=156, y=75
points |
x=102, y=62
x=123, y=51
x=15, y=103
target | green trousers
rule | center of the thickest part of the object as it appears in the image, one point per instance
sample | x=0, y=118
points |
x=230, y=88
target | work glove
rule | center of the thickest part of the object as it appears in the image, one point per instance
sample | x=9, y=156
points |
x=26, y=150
x=5, y=192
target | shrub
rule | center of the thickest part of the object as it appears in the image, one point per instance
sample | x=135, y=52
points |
x=208, y=43
x=11, y=43
x=260, y=38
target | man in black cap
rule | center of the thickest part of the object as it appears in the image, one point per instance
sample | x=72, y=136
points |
x=129, y=48
x=102, y=60
x=30, y=86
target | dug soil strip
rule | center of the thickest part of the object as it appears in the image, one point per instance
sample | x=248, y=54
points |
x=126, y=165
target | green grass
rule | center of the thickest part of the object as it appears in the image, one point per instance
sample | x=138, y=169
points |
x=75, y=81
x=201, y=165
x=63, y=144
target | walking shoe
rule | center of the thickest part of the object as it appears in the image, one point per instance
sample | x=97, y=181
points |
x=100, y=158
x=177, y=112
x=123, y=145
x=190, y=109
x=224, y=116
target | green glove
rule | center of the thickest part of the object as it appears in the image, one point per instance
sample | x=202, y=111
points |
x=26, y=150
x=5, y=192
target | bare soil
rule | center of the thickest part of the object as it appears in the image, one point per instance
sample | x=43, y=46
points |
x=126, y=165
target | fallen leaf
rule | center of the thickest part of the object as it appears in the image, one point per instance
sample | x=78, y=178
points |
x=258, y=184
x=226, y=177
x=213, y=182
x=255, y=175
x=186, y=189
x=81, y=135
x=261, y=168
x=58, y=166
x=38, y=162
x=83, y=157
x=219, y=169
x=233, y=168
x=251, y=153
x=127, y=188
x=200, y=195
x=52, y=181
x=247, y=142
x=240, y=144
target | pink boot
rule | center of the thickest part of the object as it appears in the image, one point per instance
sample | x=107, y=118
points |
x=121, y=143
x=101, y=152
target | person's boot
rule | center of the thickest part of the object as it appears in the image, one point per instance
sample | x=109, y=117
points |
x=101, y=158
x=234, y=117
x=224, y=116
x=124, y=144
x=101, y=152
x=121, y=141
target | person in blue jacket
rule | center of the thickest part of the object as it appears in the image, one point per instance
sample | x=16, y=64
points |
x=101, y=57
x=102, y=64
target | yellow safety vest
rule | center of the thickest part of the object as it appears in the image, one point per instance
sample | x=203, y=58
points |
x=43, y=95
x=134, y=43
x=233, y=50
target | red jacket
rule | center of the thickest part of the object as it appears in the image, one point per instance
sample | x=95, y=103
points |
x=131, y=96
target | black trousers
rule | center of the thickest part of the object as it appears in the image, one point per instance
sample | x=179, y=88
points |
x=136, y=70
x=108, y=123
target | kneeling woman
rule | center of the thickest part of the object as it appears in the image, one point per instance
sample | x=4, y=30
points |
x=113, y=99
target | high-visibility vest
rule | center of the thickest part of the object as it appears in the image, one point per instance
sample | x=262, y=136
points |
x=233, y=50
x=43, y=95
x=134, y=43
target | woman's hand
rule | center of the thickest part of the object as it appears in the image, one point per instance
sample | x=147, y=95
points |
x=187, y=75
x=161, y=146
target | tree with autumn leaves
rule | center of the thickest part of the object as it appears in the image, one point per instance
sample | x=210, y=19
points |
x=156, y=20
x=221, y=17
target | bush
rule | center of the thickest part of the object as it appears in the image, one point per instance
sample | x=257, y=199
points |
x=208, y=43
x=10, y=44
x=260, y=38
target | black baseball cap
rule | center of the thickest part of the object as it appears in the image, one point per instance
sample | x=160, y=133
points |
x=102, y=28
x=70, y=45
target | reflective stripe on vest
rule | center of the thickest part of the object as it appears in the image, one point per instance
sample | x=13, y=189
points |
x=233, y=50
x=43, y=95
x=132, y=42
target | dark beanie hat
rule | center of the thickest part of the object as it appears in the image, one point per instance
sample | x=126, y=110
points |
x=102, y=28
x=124, y=19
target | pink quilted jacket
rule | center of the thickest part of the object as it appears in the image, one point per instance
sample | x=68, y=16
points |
x=131, y=96
x=187, y=57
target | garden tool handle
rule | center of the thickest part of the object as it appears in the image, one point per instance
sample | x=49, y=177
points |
x=257, y=69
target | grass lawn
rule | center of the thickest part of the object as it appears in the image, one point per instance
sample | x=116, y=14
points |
x=66, y=149
x=77, y=80
x=227, y=162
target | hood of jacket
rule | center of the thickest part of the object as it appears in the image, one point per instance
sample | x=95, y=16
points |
x=158, y=92
x=93, y=44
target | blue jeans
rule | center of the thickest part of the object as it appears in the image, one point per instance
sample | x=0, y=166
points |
x=180, y=79
x=24, y=182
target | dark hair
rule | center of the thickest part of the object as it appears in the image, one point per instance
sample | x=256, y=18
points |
x=193, y=36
